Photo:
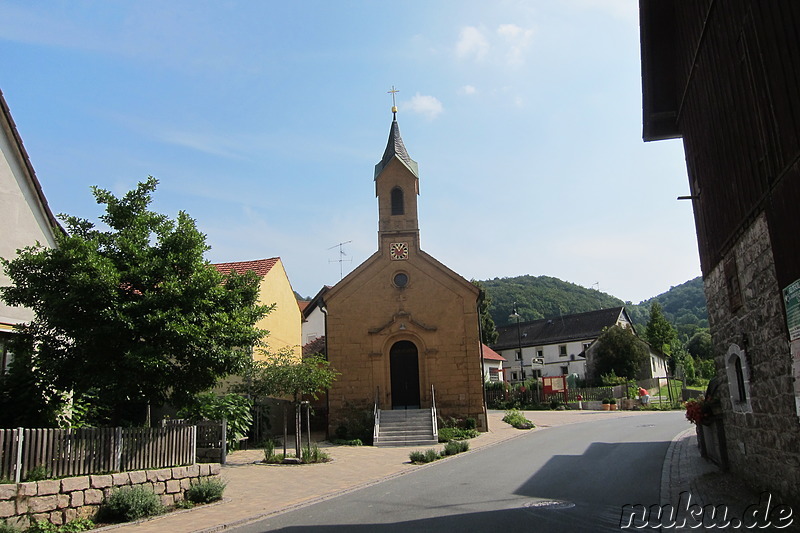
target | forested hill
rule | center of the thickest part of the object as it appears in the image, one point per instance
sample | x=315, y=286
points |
x=547, y=297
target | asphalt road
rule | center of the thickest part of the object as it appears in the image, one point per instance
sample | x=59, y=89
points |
x=570, y=478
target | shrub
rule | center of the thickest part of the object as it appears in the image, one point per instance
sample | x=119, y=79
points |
x=76, y=526
x=455, y=446
x=344, y=442
x=470, y=423
x=428, y=456
x=606, y=401
x=236, y=409
x=517, y=419
x=447, y=434
x=127, y=504
x=314, y=455
x=207, y=491
x=612, y=401
x=38, y=473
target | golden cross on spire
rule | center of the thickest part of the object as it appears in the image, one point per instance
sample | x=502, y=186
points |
x=394, y=104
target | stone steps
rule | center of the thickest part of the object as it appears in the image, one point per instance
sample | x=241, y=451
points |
x=408, y=427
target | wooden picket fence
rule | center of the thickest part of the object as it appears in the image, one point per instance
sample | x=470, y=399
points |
x=74, y=452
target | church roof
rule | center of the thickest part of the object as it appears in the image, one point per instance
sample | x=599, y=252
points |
x=260, y=266
x=575, y=327
x=396, y=148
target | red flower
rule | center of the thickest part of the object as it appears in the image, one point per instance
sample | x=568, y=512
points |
x=694, y=411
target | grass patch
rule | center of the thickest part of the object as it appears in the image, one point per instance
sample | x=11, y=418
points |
x=314, y=455
x=515, y=418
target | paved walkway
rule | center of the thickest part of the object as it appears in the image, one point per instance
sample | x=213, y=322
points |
x=257, y=490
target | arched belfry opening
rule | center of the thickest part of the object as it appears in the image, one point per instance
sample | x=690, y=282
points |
x=404, y=369
x=398, y=205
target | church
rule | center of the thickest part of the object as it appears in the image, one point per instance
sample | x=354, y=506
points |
x=402, y=328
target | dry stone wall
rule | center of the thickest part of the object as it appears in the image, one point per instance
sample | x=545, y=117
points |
x=62, y=500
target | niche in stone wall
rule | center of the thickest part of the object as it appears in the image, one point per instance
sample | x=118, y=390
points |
x=738, y=372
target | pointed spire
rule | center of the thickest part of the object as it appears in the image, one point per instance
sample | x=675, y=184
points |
x=396, y=148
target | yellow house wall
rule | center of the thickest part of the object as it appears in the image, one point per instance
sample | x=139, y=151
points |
x=437, y=311
x=284, y=323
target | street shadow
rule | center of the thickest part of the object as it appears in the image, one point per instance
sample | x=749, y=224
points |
x=568, y=493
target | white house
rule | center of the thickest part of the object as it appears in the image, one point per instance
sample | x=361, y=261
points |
x=492, y=365
x=25, y=217
x=553, y=347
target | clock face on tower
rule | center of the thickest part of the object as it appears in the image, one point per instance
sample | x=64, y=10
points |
x=398, y=251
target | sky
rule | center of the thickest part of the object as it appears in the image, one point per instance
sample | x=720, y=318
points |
x=264, y=120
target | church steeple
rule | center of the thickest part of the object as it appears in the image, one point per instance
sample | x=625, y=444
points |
x=395, y=147
x=397, y=188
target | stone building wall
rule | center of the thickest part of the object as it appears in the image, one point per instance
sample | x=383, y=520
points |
x=763, y=445
x=62, y=500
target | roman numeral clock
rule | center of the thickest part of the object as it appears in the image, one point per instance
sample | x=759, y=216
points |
x=398, y=251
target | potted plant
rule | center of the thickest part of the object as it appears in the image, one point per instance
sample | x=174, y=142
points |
x=606, y=404
x=613, y=404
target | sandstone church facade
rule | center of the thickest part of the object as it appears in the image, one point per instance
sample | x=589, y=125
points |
x=402, y=328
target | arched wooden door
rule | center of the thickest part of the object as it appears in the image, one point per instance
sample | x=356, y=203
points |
x=404, y=367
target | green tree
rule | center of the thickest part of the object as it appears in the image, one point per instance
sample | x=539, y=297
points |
x=282, y=375
x=132, y=315
x=659, y=332
x=489, y=332
x=620, y=352
x=700, y=345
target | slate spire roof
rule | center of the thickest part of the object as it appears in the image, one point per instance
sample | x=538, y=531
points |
x=396, y=148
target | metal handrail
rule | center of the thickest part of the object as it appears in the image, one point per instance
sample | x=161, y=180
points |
x=376, y=414
x=434, y=420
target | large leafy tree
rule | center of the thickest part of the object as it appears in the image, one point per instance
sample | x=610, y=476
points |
x=131, y=314
x=619, y=351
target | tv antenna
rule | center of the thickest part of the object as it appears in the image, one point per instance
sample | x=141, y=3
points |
x=341, y=257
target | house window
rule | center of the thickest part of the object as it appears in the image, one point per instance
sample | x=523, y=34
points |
x=398, y=207
x=540, y=353
x=586, y=345
x=537, y=374
x=513, y=376
x=562, y=350
x=518, y=355
x=564, y=370
x=523, y=375
x=738, y=373
x=494, y=374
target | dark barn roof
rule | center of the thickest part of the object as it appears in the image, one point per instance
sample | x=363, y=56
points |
x=575, y=327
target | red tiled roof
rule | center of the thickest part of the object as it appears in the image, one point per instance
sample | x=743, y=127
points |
x=302, y=304
x=260, y=266
x=491, y=355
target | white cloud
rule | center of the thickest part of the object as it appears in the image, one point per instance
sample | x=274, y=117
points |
x=467, y=89
x=472, y=44
x=518, y=40
x=426, y=105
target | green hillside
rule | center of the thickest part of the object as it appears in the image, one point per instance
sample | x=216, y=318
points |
x=548, y=297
